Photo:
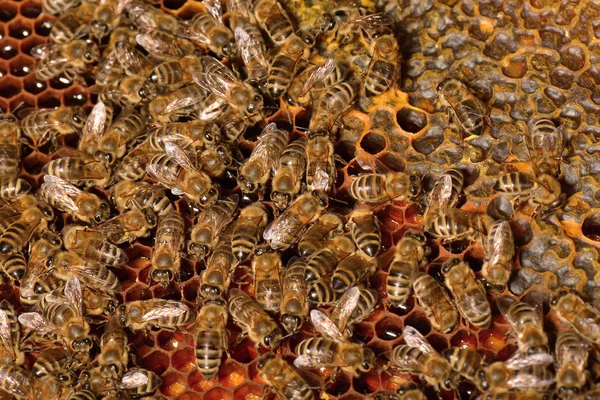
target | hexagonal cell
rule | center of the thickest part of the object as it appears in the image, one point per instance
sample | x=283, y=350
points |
x=231, y=374
x=170, y=340
x=10, y=86
x=367, y=383
x=591, y=227
x=199, y=383
x=60, y=82
x=20, y=29
x=21, y=101
x=43, y=25
x=437, y=341
x=49, y=99
x=492, y=340
x=340, y=386
x=373, y=143
x=9, y=48
x=218, y=394
x=184, y=360
x=189, y=396
x=173, y=384
x=418, y=321
x=32, y=85
x=8, y=11
x=157, y=361
x=30, y=43
x=75, y=96
x=389, y=328
x=411, y=120
x=248, y=392
x=21, y=65
x=174, y=4
x=363, y=333
x=30, y=9
x=464, y=339
x=244, y=352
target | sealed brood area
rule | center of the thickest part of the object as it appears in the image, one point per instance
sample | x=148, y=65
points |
x=524, y=60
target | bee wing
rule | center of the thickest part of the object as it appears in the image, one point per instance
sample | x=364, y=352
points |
x=370, y=163
x=303, y=361
x=37, y=323
x=374, y=21
x=74, y=294
x=130, y=60
x=165, y=179
x=69, y=152
x=215, y=8
x=499, y=239
x=414, y=338
x=345, y=307
x=521, y=360
x=172, y=309
x=180, y=157
x=248, y=48
x=95, y=275
x=40, y=51
x=504, y=303
x=441, y=193
x=94, y=127
x=326, y=327
x=6, y=333
x=133, y=379
x=32, y=275
x=62, y=192
x=522, y=380
x=152, y=44
x=318, y=75
x=17, y=384
x=182, y=98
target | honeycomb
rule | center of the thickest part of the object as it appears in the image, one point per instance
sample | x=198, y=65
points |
x=525, y=59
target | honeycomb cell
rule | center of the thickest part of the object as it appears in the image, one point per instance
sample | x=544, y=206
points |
x=492, y=340
x=174, y=4
x=218, y=394
x=366, y=383
x=173, y=384
x=515, y=67
x=8, y=11
x=60, y=82
x=9, y=86
x=340, y=386
x=75, y=96
x=231, y=374
x=170, y=340
x=438, y=342
x=9, y=48
x=30, y=9
x=43, y=25
x=389, y=328
x=189, y=396
x=591, y=227
x=248, y=392
x=20, y=29
x=419, y=321
x=21, y=101
x=49, y=99
x=244, y=352
x=363, y=333
x=184, y=360
x=157, y=361
x=464, y=339
x=21, y=65
x=562, y=78
x=199, y=383
x=373, y=143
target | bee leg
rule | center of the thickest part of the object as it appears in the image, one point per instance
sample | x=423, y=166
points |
x=331, y=379
x=239, y=340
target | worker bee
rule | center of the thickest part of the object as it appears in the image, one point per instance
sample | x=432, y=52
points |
x=14, y=265
x=166, y=258
x=319, y=233
x=542, y=193
x=113, y=144
x=135, y=383
x=173, y=74
x=214, y=161
x=321, y=292
x=54, y=362
x=343, y=312
x=72, y=24
x=56, y=7
x=266, y=268
x=499, y=253
x=521, y=372
x=417, y=357
x=13, y=188
x=274, y=20
x=154, y=313
x=333, y=350
x=253, y=53
x=287, y=176
x=146, y=15
x=17, y=382
x=315, y=80
x=527, y=324
x=435, y=301
x=283, y=379
x=43, y=125
x=294, y=304
x=127, y=195
x=92, y=245
x=444, y=196
x=176, y=171
x=114, y=355
x=247, y=229
x=287, y=228
x=107, y=15
x=233, y=123
x=352, y=270
x=571, y=358
x=10, y=350
x=256, y=170
x=210, y=223
x=216, y=279
x=320, y=167
x=469, y=295
x=163, y=44
x=97, y=303
x=572, y=309
x=69, y=59
x=62, y=316
x=125, y=90
x=364, y=229
x=325, y=260
x=465, y=361
x=78, y=169
x=545, y=142
x=128, y=226
x=93, y=129
x=384, y=67
x=209, y=29
x=410, y=254
x=344, y=21
x=284, y=65
x=38, y=280
x=467, y=111
x=10, y=146
x=334, y=102
x=253, y=320
x=405, y=392
x=66, y=264
x=63, y=196
x=367, y=301
x=456, y=224
x=212, y=336
x=32, y=219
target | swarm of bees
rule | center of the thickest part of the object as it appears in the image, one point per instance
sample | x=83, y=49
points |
x=192, y=147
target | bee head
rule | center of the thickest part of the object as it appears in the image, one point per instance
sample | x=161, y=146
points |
x=162, y=277
x=102, y=213
x=273, y=339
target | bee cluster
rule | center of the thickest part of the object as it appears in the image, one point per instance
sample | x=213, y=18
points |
x=299, y=198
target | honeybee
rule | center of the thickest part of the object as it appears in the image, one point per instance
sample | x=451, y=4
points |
x=38, y=280
x=455, y=225
x=367, y=301
x=283, y=379
x=166, y=258
x=128, y=226
x=351, y=271
x=209, y=29
x=467, y=111
x=287, y=176
x=320, y=167
x=72, y=24
x=66, y=264
x=333, y=350
x=193, y=133
x=107, y=15
x=10, y=351
x=384, y=67
x=315, y=237
x=417, y=357
x=253, y=53
x=520, y=372
x=62, y=316
x=210, y=223
x=173, y=74
x=324, y=260
x=287, y=228
x=571, y=358
x=78, y=169
x=13, y=188
x=410, y=254
x=266, y=267
x=145, y=15
x=344, y=21
x=545, y=142
x=91, y=245
x=154, y=313
x=125, y=90
x=520, y=395
x=214, y=161
x=543, y=193
x=183, y=102
x=233, y=123
x=526, y=323
x=40, y=126
x=332, y=104
x=321, y=292
x=469, y=295
x=135, y=383
x=364, y=229
x=315, y=80
x=93, y=129
x=256, y=170
x=163, y=44
x=247, y=229
x=212, y=337
x=81, y=395
x=69, y=59
x=284, y=65
x=406, y=392
x=572, y=309
x=177, y=172
x=444, y=195
x=14, y=265
x=10, y=146
x=31, y=219
x=54, y=362
x=499, y=253
x=113, y=144
x=57, y=7
x=127, y=195
x=97, y=303
x=342, y=313
x=435, y=301
x=216, y=278
x=274, y=20
x=253, y=320
x=294, y=304
x=114, y=356
x=465, y=361
x=63, y=196
x=17, y=382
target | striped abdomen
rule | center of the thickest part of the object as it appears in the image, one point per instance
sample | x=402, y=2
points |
x=369, y=241
x=13, y=188
x=434, y=299
x=320, y=265
x=399, y=280
x=19, y=232
x=380, y=77
x=366, y=303
x=10, y=160
x=105, y=252
x=321, y=348
x=370, y=188
x=267, y=284
x=321, y=292
x=515, y=183
x=15, y=265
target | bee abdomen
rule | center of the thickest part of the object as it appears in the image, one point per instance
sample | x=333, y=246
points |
x=322, y=293
x=319, y=265
x=379, y=78
x=13, y=188
x=368, y=242
x=82, y=395
x=243, y=242
x=399, y=282
x=208, y=352
x=368, y=187
x=15, y=265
